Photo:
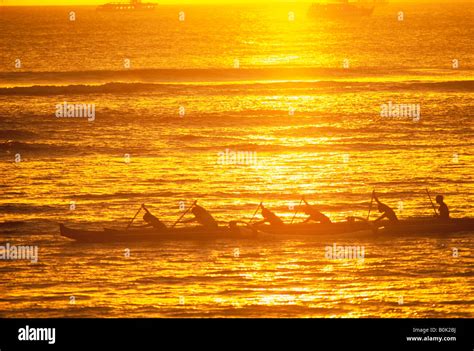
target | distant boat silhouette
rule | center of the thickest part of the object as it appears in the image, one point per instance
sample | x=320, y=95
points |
x=133, y=5
x=341, y=9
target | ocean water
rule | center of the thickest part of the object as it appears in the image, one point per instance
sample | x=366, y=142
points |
x=300, y=100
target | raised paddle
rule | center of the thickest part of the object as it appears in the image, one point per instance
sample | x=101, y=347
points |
x=371, y=201
x=296, y=210
x=136, y=214
x=432, y=204
x=184, y=213
x=255, y=213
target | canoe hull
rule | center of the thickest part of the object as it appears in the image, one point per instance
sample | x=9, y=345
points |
x=151, y=235
x=267, y=232
x=428, y=226
x=313, y=229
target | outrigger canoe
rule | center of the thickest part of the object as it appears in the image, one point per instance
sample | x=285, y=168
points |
x=288, y=231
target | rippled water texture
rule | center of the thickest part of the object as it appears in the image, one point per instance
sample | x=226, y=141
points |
x=234, y=79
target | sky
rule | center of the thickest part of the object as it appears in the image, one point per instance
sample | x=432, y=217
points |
x=174, y=2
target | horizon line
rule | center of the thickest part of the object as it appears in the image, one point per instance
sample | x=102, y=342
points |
x=209, y=2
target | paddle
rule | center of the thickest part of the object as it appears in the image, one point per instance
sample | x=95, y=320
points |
x=136, y=214
x=184, y=213
x=432, y=204
x=371, y=201
x=296, y=210
x=255, y=213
